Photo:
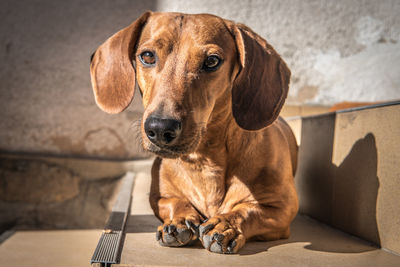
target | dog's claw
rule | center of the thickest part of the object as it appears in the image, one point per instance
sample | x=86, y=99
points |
x=231, y=246
x=205, y=229
x=189, y=224
x=171, y=229
x=193, y=227
x=165, y=229
x=158, y=235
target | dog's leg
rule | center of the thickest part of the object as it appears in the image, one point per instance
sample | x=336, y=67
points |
x=180, y=219
x=227, y=233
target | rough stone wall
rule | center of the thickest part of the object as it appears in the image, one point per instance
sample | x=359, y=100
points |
x=38, y=194
x=337, y=50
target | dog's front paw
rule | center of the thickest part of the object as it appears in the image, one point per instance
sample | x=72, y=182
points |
x=219, y=236
x=178, y=232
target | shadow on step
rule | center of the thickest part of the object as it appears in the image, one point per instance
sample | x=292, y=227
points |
x=313, y=235
x=341, y=194
x=142, y=224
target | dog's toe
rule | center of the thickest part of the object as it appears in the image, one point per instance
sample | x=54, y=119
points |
x=177, y=234
x=218, y=236
x=183, y=235
x=207, y=241
x=216, y=248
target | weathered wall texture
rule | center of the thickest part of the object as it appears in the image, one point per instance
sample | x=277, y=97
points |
x=35, y=193
x=46, y=100
x=337, y=50
x=346, y=50
x=58, y=193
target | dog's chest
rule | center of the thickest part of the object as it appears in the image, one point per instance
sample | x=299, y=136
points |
x=203, y=184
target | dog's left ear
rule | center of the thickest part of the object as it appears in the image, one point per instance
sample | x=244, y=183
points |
x=261, y=86
x=111, y=70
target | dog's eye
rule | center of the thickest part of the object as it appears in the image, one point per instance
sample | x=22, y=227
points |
x=147, y=58
x=212, y=63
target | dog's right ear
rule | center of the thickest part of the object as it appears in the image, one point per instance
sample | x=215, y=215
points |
x=111, y=70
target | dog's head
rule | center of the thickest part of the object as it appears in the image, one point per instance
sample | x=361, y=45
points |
x=185, y=65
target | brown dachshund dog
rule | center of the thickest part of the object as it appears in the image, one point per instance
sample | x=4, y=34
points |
x=212, y=91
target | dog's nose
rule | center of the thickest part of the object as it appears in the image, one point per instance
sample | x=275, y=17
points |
x=162, y=131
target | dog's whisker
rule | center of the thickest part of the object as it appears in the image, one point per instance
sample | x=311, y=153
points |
x=135, y=125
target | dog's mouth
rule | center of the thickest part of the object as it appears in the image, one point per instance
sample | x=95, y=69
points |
x=186, y=146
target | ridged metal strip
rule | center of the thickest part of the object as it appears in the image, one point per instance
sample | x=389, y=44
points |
x=109, y=247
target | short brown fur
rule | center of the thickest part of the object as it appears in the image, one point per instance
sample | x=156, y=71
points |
x=234, y=161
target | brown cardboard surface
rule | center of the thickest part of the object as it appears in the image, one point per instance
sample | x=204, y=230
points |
x=302, y=110
x=49, y=248
x=348, y=174
x=310, y=244
x=375, y=133
x=314, y=175
x=295, y=124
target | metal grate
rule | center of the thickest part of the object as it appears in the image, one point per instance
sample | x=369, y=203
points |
x=108, y=249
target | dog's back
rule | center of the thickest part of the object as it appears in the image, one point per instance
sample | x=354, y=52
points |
x=291, y=139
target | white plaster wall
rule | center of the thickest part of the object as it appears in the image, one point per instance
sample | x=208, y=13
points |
x=344, y=50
